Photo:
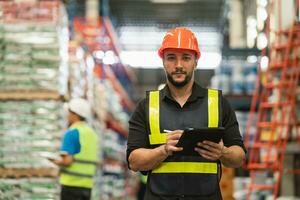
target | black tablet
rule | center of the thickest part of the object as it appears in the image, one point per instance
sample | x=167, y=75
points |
x=192, y=136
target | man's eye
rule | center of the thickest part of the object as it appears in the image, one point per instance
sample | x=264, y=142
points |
x=186, y=58
x=170, y=57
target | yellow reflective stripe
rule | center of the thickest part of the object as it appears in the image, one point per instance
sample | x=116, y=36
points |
x=143, y=178
x=156, y=137
x=187, y=167
x=213, y=108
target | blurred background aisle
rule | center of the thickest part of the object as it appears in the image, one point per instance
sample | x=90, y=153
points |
x=105, y=51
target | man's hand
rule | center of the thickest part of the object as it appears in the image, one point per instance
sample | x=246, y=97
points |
x=172, y=140
x=65, y=161
x=211, y=150
x=143, y=159
x=55, y=161
x=231, y=156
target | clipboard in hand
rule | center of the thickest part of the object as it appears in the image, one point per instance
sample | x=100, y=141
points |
x=192, y=136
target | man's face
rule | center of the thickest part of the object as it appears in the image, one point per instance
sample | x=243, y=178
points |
x=179, y=65
x=71, y=118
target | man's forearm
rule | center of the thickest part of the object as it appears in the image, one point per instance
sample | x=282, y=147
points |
x=232, y=156
x=147, y=159
x=65, y=161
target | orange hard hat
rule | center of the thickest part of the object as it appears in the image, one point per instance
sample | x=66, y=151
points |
x=179, y=38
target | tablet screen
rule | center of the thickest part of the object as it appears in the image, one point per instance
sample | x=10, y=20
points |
x=192, y=136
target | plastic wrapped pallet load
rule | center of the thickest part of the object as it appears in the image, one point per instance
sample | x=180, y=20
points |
x=33, y=75
x=31, y=59
x=27, y=132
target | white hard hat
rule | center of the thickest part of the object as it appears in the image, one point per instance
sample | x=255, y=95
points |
x=81, y=107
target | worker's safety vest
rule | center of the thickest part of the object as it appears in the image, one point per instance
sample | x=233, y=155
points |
x=183, y=175
x=80, y=173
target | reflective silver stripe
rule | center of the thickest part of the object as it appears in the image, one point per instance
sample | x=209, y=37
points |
x=85, y=162
x=75, y=173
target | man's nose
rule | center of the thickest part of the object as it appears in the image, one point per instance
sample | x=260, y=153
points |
x=178, y=63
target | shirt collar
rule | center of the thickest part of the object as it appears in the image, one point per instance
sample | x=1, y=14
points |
x=197, y=92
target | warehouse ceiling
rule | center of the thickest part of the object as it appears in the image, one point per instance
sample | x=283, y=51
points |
x=206, y=13
x=141, y=25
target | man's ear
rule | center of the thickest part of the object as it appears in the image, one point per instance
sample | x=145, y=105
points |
x=196, y=61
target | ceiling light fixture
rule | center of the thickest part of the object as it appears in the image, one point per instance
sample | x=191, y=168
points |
x=168, y=1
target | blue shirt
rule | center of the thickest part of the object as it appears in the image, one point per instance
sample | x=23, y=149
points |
x=70, y=143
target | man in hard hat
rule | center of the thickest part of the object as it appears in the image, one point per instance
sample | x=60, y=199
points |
x=79, y=153
x=159, y=120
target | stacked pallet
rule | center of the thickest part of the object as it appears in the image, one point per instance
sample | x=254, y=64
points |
x=33, y=80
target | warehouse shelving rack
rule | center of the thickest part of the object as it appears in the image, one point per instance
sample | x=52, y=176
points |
x=91, y=34
x=276, y=112
x=101, y=37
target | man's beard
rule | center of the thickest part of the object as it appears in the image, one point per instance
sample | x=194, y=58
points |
x=187, y=79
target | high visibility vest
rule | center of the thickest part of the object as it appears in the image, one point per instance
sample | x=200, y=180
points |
x=81, y=172
x=143, y=178
x=183, y=175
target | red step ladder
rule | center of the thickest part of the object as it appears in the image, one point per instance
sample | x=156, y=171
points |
x=276, y=113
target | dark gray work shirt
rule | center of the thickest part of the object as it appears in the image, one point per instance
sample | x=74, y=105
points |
x=139, y=127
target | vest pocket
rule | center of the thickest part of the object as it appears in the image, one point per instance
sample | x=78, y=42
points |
x=183, y=184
